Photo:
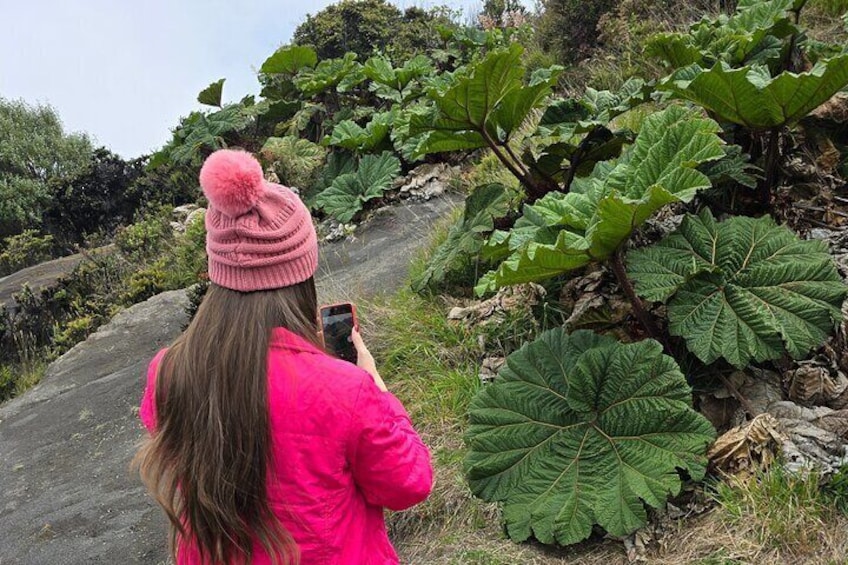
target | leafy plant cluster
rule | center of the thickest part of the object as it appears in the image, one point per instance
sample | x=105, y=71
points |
x=580, y=430
x=339, y=129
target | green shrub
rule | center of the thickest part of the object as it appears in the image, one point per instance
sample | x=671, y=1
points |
x=72, y=332
x=183, y=261
x=8, y=382
x=146, y=237
x=490, y=170
x=144, y=284
x=23, y=250
x=359, y=27
x=295, y=161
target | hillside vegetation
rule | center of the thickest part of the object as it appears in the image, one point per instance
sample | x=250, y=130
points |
x=651, y=253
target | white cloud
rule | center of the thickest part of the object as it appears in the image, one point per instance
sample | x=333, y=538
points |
x=124, y=72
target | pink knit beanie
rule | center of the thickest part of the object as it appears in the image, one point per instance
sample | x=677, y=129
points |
x=259, y=235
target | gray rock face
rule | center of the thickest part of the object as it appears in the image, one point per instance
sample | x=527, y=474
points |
x=66, y=492
x=65, y=447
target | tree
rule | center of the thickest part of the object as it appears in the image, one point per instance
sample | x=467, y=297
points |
x=368, y=26
x=568, y=28
x=501, y=13
x=35, y=153
x=97, y=198
x=358, y=26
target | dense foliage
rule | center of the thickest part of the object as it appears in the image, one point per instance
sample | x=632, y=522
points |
x=364, y=27
x=744, y=289
x=579, y=430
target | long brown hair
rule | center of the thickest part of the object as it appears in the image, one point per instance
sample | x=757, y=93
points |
x=207, y=461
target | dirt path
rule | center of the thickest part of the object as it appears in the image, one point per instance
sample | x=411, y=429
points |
x=66, y=496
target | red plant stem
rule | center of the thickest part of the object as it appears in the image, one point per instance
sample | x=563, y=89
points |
x=535, y=192
x=772, y=155
x=639, y=310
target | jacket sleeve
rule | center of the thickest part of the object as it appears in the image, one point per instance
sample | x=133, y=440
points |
x=390, y=463
x=147, y=410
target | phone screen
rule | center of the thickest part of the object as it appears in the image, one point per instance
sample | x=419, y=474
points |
x=338, y=323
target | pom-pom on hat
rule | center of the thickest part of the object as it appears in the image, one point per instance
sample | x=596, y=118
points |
x=259, y=235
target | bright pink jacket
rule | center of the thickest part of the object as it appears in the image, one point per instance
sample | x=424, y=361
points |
x=342, y=450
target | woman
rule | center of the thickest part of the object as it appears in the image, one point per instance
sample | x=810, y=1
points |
x=263, y=448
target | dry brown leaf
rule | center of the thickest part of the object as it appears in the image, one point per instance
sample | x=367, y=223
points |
x=745, y=449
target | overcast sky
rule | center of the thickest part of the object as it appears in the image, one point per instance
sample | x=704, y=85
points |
x=125, y=71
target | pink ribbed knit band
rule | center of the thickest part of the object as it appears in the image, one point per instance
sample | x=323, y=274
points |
x=272, y=245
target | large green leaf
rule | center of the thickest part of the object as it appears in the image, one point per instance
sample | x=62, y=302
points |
x=290, y=60
x=397, y=84
x=482, y=105
x=329, y=74
x=207, y=131
x=567, y=231
x=753, y=34
x=350, y=135
x=750, y=97
x=467, y=235
x=744, y=289
x=346, y=196
x=579, y=430
x=211, y=95
x=296, y=161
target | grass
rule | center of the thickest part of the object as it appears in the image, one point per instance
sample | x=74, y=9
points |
x=790, y=511
x=831, y=8
x=17, y=377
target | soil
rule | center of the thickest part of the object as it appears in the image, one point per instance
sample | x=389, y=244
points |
x=67, y=494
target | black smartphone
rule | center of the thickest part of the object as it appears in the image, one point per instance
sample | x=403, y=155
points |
x=338, y=321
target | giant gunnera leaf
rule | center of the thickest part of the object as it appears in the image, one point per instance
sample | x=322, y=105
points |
x=751, y=97
x=743, y=289
x=346, y=196
x=562, y=232
x=289, y=60
x=483, y=104
x=353, y=137
x=579, y=430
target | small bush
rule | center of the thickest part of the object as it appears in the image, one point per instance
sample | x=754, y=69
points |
x=185, y=261
x=145, y=238
x=144, y=284
x=16, y=378
x=8, y=382
x=296, y=162
x=72, y=332
x=568, y=28
x=24, y=250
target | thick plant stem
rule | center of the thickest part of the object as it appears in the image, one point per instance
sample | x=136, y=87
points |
x=515, y=158
x=534, y=190
x=645, y=318
x=734, y=392
x=772, y=155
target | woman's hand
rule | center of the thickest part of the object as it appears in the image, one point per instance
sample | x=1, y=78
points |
x=364, y=359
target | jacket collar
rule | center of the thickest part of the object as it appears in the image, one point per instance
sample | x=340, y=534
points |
x=285, y=339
